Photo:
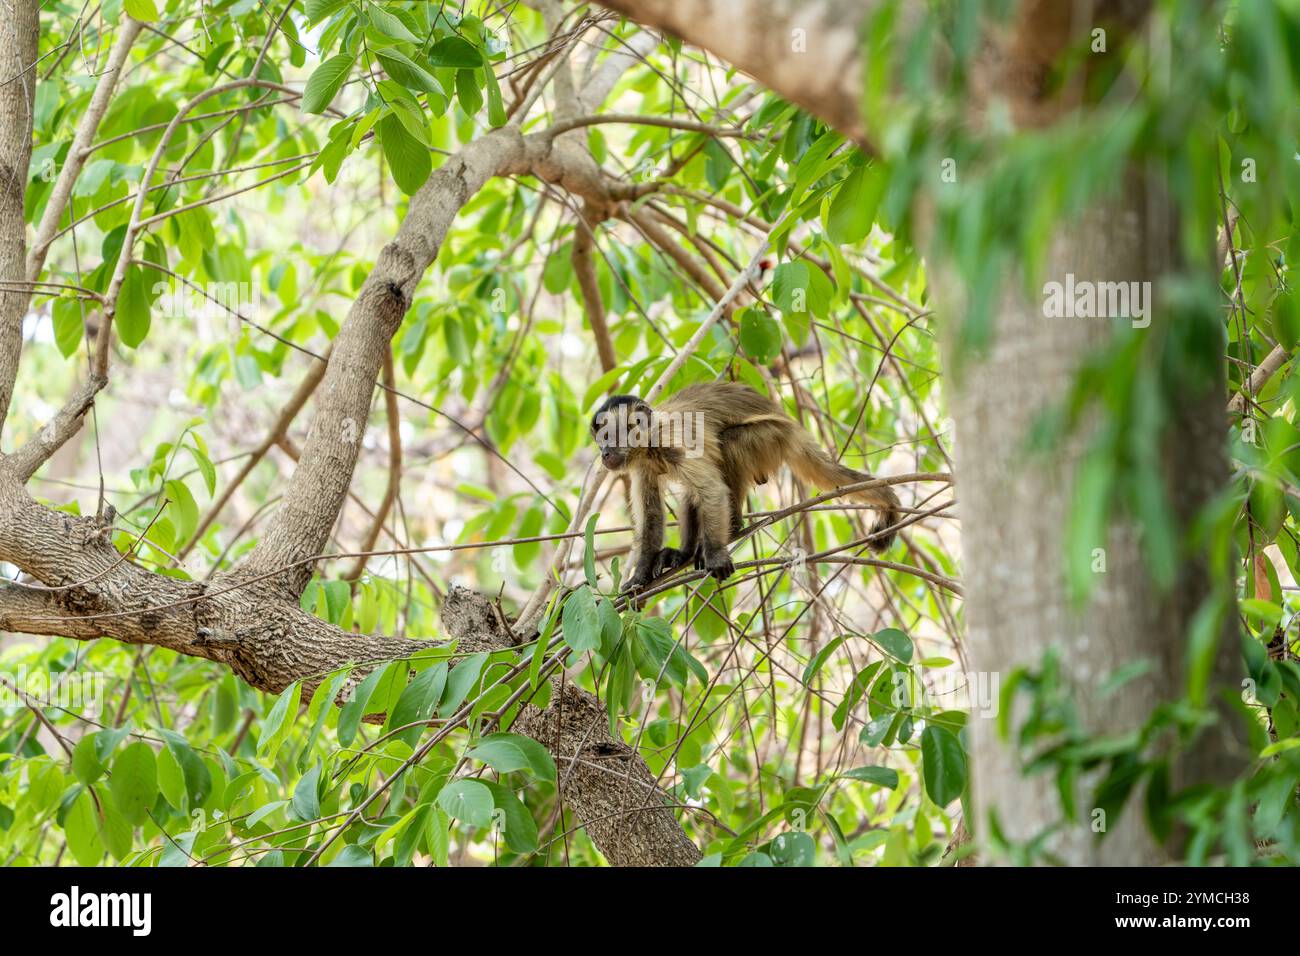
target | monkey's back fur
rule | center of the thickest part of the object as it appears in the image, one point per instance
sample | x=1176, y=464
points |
x=748, y=437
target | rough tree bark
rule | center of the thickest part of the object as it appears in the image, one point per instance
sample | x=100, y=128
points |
x=18, y=37
x=806, y=50
x=1014, y=540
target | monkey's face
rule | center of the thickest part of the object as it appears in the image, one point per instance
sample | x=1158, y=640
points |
x=621, y=429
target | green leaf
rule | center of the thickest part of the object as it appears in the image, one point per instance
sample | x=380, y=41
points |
x=389, y=25
x=760, y=336
x=468, y=92
x=350, y=714
x=322, y=702
x=305, y=804
x=418, y=702
x=517, y=825
x=508, y=752
x=813, y=164
x=438, y=837
x=581, y=625
x=353, y=855
x=793, y=849
x=278, y=722
x=143, y=10
x=819, y=660
x=611, y=626
x=854, y=208
x=132, y=317
x=496, y=107
x=135, y=782
x=68, y=325
x=182, y=508
x=205, y=466
x=82, y=830
x=407, y=72
x=412, y=117
x=880, y=776
x=114, y=831
x=86, y=766
x=589, y=550
x=197, y=779
x=325, y=82
x=171, y=780
x=318, y=10
x=895, y=643
x=455, y=51
x=790, y=287
x=467, y=800
x=558, y=271
x=408, y=158
x=338, y=596
x=944, y=765
x=876, y=730
x=464, y=678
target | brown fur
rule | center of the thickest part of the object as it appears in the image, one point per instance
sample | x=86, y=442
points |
x=746, y=438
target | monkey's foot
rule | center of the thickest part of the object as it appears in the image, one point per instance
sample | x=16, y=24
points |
x=719, y=565
x=638, y=582
x=670, y=559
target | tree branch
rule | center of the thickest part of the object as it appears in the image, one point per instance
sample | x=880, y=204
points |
x=394, y=420
x=584, y=267
x=319, y=485
x=18, y=45
x=807, y=52
x=80, y=148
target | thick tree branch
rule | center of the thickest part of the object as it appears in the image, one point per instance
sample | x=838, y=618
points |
x=319, y=485
x=89, y=592
x=808, y=52
x=18, y=44
x=394, y=419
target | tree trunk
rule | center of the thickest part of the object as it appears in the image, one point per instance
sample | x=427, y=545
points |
x=1015, y=514
x=18, y=36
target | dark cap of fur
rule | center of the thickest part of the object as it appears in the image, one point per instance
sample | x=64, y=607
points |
x=611, y=403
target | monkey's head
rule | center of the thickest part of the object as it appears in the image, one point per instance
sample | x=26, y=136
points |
x=621, y=428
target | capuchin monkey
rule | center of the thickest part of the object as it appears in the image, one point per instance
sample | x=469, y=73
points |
x=713, y=441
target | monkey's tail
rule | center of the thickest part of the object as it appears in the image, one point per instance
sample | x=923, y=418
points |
x=810, y=462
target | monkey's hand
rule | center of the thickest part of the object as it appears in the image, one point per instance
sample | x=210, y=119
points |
x=719, y=564
x=670, y=559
